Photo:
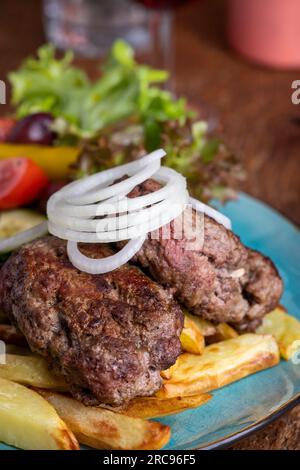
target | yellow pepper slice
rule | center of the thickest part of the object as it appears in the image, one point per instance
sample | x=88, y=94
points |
x=55, y=161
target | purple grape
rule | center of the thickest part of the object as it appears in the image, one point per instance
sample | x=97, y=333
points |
x=33, y=129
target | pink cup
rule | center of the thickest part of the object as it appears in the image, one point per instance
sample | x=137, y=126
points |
x=266, y=31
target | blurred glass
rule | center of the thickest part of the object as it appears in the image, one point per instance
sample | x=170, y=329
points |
x=161, y=28
x=89, y=27
x=161, y=14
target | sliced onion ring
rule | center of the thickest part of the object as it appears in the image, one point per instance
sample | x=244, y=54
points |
x=213, y=213
x=77, y=188
x=60, y=208
x=109, y=236
x=129, y=219
x=11, y=243
x=104, y=265
x=116, y=189
x=73, y=209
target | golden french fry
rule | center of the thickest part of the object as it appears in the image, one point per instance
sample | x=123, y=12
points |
x=153, y=407
x=105, y=429
x=223, y=332
x=9, y=334
x=31, y=370
x=206, y=327
x=166, y=374
x=189, y=342
x=30, y=422
x=191, y=338
x=226, y=331
x=285, y=329
x=220, y=364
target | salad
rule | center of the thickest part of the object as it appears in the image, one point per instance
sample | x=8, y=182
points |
x=94, y=125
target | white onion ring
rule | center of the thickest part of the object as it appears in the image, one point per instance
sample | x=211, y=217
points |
x=78, y=191
x=108, y=176
x=104, y=265
x=121, y=221
x=117, y=188
x=213, y=213
x=164, y=175
x=11, y=243
x=109, y=236
x=72, y=210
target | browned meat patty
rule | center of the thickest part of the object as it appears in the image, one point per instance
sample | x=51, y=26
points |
x=110, y=335
x=207, y=280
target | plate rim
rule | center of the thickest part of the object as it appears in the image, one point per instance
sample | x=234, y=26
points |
x=266, y=205
x=258, y=425
x=233, y=438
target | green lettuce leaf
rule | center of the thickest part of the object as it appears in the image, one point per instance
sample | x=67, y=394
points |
x=124, y=90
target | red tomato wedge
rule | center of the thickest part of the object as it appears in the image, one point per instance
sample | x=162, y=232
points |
x=6, y=126
x=21, y=181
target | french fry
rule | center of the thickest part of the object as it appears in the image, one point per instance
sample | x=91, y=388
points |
x=31, y=370
x=9, y=334
x=220, y=364
x=226, y=331
x=104, y=429
x=206, y=327
x=212, y=333
x=223, y=332
x=192, y=340
x=285, y=329
x=166, y=374
x=29, y=422
x=153, y=407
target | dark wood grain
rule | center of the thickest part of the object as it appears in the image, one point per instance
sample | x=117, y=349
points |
x=251, y=106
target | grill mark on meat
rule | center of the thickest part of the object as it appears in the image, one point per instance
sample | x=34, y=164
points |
x=63, y=327
x=248, y=296
x=201, y=279
x=109, y=335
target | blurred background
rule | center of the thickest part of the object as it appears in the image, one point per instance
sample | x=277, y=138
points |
x=234, y=60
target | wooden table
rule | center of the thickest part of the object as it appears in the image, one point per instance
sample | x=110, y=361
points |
x=251, y=104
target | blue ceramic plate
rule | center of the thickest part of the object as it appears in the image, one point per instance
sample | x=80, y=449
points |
x=242, y=407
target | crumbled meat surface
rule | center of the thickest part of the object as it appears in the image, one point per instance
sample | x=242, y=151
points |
x=109, y=335
x=208, y=280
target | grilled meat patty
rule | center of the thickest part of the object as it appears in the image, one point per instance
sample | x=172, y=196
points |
x=223, y=281
x=109, y=335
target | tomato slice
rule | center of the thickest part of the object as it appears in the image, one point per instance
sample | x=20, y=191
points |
x=6, y=125
x=21, y=181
